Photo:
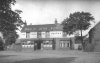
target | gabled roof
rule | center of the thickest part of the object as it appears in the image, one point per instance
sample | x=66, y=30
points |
x=96, y=31
x=44, y=27
x=97, y=25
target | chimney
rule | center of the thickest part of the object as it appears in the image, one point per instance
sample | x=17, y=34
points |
x=25, y=23
x=56, y=22
x=30, y=23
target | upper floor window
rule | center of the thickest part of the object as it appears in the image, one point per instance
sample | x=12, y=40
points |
x=38, y=34
x=27, y=34
x=47, y=34
x=64, y=34
x=45, y=28
x=27, y=29
x=40, y=29
x=33, y=28
x=51, y=28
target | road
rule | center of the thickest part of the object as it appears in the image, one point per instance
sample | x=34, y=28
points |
x=49, y=56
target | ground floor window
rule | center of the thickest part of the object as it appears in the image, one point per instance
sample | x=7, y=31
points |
x=28, y=44
x=64, y=44
x=47, y=44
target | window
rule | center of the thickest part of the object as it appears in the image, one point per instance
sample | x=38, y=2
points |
x=47, y=34
x=27, y=34
x=33, y=28
x=23, y=34
x=40, y=28
x=44, y=28
x=61, y=43
x=68, y=45
x=27, y=29
x=64, y=44
x=28, y=44
x=51, y=28
x=64, y=34
x=39, y=34
x=47, y=44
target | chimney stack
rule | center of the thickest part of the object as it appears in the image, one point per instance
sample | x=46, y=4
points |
x=56, y=22
x=25, y=23
x=30, y=23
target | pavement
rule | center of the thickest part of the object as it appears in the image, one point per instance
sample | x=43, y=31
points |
x=73, y=55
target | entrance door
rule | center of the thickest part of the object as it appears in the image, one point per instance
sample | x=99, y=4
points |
x=37, y=45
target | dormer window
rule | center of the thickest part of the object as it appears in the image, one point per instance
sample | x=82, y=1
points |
x=40, y=28
x=27, y=29
x=34, y=28
x=45, y=28
x=51, y=28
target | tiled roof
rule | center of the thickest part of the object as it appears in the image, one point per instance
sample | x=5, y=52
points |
x=45, y=27
x=97, y=25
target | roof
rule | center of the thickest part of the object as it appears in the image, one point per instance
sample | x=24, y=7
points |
x=97, y=25
x=45, y=27
x=96, y=31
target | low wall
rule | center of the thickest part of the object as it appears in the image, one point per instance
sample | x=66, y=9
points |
x=14, y=47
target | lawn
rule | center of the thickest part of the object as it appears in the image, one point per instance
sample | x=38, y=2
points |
x=3, y=56
x=49, y=60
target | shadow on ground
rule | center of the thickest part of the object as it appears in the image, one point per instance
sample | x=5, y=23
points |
x=3, y=56
x=49, y=60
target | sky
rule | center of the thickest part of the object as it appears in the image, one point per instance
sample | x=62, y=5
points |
x=46, y=11
x=37, y=12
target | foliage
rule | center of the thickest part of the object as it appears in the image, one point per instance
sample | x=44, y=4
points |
x=11, y=38
x=9, y=20
x=77, y=21
x=1, y=44
x=78, y=39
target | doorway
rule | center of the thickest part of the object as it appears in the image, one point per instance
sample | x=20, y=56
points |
x=37, y=44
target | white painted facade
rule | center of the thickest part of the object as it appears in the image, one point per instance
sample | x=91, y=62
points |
x=56, y=34
x=33, y=34
x=51, y=34
x=23, y=35
x=43, y=34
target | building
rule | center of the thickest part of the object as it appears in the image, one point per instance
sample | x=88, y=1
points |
x=94, y=35
x=47, y=36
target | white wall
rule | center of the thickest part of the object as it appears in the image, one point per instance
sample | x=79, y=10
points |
x=53, y=34
x=56, y=34
x=23, y=35
x=43, y=34
x=33, y=34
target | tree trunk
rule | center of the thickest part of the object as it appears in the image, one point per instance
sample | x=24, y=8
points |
x=83, y=47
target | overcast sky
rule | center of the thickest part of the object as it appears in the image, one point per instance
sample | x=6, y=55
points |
x=45, y=11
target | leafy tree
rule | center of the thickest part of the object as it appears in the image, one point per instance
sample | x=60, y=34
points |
x=77, y=21
x=11, y=38
x=1, y=44
x=9, y=21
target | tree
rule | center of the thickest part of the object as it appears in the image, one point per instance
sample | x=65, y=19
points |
x=9, y=21
x=77, y=21
x=1, y=44
x=11, y=38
